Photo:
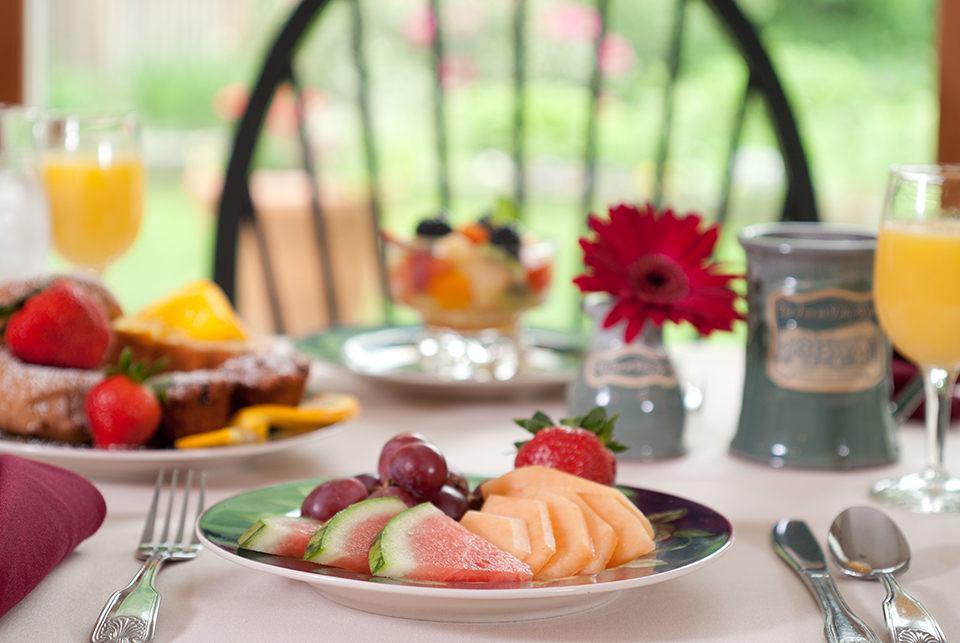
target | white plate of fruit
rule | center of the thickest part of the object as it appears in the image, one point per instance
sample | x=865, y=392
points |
x=416, y=540
x=81, y=387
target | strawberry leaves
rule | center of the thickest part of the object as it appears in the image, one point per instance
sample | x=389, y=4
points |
x=596, y=421
x=135, y=371
x=540, y=420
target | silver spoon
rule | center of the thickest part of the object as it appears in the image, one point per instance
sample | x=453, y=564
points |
x=866, y=543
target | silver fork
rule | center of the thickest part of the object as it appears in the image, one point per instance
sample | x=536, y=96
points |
x=130, y=615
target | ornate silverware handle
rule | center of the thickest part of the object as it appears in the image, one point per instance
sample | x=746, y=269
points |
x=840, y=625
x=907, y=620
x=130, y=616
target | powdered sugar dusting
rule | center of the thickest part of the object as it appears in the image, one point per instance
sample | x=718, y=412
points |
x=178, y=383
x=251, y=368
x=43, y=399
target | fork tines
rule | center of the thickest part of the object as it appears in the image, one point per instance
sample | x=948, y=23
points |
x=188, y=505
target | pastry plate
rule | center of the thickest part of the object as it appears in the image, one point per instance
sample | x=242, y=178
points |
x=145, y=463
x=389, y=356
x=689, y=536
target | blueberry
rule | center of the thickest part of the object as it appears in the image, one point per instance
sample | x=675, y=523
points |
x=508, y=239
x=435, y=227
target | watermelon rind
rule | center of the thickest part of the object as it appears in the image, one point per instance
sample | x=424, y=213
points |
x=279, y=535
x=333, y=540
x=399, y=562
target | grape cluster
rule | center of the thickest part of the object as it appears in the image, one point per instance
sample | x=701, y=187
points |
x=411, y=468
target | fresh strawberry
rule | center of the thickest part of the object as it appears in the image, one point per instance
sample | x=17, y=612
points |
x=121, y=410
x=582, y=446
x=60, y=325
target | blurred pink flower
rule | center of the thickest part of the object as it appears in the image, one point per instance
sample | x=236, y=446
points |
x=570, y=22
x=230, y=101
x=282, y=115
x=616, y=55
x=457, y=70
x=460, y=17
x=419, y=27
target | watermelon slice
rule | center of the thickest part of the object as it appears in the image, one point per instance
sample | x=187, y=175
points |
x=280, y=535
x=344, y=541
x=423, y=543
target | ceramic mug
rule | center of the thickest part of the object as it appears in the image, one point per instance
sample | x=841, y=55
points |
x=816, y=388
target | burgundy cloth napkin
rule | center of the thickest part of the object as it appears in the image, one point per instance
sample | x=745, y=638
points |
x=903, y=371
x=45, y=512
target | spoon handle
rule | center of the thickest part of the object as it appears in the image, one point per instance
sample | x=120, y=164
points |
x=841, y=625
x=907, y=620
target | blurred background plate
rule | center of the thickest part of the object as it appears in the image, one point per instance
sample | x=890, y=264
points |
x=389, y=356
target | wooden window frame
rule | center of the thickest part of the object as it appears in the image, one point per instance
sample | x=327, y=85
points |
x=11, y=51
x=948, y=45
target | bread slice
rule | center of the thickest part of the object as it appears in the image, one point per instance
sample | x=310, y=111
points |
x=44, y=401
x=153, y=341
x=195, y=327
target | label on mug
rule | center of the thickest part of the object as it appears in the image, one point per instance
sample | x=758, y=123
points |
x=825, y=341
x=632, y=366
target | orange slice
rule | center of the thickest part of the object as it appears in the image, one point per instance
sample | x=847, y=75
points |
x=253, y=423
x=199, y=310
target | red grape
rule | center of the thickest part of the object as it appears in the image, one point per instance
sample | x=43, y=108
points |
x=370, y=481
x=391, y=446
x=458, y=481
x=475, y=501
x=419, y=468
x=450, y=501
x=394, y=490
x=331, y=496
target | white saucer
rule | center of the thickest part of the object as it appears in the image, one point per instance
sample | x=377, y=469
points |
x=389, y=356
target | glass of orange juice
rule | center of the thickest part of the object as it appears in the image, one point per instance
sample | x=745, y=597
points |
x=917, y=295
x=93, y=173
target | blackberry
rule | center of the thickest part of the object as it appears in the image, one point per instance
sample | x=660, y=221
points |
x=508, y=239
x=436, y=227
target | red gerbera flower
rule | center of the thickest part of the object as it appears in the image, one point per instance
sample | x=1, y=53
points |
x=656, y=267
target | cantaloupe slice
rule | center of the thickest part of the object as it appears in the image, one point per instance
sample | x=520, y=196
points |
x=632, y=538
x=574, y=545
x=509, y=534
x=604, y=537
x=535, y=514
x=540, y=476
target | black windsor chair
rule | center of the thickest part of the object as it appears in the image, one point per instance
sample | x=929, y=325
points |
x=357, y=31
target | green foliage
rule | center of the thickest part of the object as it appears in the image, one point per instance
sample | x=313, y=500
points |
x=178, y=94
x=860, y=75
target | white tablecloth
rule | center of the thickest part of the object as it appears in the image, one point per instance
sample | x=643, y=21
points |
x=747, y=595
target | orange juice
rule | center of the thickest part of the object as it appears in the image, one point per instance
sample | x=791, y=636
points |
x=917, y=289
x=95, y=207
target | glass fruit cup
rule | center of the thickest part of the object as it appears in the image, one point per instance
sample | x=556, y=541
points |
x=470, y=288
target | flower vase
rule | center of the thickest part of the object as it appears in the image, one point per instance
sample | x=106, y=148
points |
x=635, y=379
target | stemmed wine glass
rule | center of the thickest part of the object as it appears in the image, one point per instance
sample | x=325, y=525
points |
x=92, y=170
x=917, y=295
